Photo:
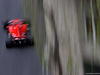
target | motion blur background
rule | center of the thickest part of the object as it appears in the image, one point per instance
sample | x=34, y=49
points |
x=66, y=34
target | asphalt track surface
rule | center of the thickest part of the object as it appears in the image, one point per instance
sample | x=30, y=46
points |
x=20, y=60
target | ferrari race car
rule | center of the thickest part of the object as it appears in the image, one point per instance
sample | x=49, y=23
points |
x=18, y=33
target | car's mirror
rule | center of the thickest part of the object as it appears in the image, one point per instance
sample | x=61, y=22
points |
x=7, y=26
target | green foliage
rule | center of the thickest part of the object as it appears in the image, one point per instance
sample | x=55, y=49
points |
x=69, y=65
x=98, y=20
x=31, y=12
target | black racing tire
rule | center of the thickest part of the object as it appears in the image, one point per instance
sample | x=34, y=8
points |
x=30, y=41
x=27, y=21
x=5, y=24
x=9, y=43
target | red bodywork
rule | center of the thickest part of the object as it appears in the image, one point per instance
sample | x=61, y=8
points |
x=17, y=29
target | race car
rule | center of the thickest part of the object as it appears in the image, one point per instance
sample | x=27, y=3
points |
x=18, y=33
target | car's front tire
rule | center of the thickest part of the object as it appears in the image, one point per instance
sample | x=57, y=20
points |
x=27, y=21
x=5, y=24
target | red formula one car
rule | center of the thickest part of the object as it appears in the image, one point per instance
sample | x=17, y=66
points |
x=18, y=33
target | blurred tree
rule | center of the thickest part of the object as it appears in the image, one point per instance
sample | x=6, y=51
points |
x=63, y=44
x=66, y=35
x=68, y=25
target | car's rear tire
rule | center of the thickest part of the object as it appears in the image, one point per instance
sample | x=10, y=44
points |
x=30, y=41
x=9, y=43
